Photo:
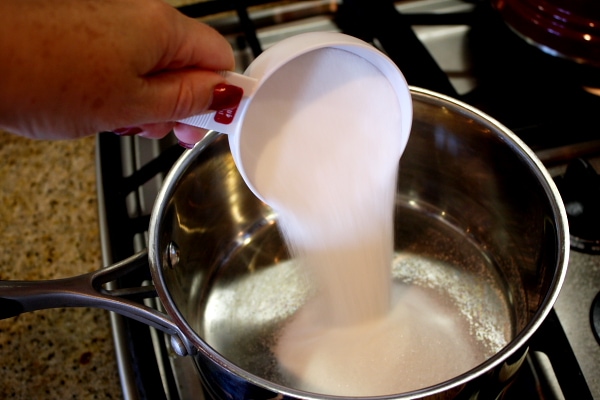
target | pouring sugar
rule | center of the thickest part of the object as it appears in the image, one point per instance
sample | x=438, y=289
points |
x=330, y=173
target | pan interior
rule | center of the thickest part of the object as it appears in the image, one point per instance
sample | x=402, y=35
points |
x=256, y=290
x=478, y=229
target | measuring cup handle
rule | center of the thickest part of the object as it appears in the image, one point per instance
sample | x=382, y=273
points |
x=87, y=290
x=226, y=121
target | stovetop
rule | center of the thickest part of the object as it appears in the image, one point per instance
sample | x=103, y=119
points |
x=455, y=47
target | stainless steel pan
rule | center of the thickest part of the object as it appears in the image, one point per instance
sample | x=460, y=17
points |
x=472, y=198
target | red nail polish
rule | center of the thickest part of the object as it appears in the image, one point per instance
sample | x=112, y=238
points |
x=134, y=130
x=185, y=145
x=226, y=96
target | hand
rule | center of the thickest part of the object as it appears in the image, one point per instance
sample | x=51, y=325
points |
x=72, y=68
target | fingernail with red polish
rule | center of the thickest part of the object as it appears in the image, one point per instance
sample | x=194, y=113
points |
x=186, y=145
x=134, y=130
x=226, y=96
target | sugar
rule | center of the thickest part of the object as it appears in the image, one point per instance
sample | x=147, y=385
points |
x=414, y=346
x=330, y=173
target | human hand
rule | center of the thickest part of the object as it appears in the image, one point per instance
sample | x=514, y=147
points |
x=71, y=68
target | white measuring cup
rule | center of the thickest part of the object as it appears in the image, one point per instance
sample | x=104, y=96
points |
x=248, y=140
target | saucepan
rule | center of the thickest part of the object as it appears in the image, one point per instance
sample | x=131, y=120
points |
x=567, y=29
x=478, y=221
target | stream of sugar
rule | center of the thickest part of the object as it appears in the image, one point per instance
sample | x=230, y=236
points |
x=331, y=175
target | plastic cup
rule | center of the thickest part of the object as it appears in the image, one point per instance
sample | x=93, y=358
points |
x=232, y=122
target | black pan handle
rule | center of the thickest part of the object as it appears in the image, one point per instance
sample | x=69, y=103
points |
x=88, y=290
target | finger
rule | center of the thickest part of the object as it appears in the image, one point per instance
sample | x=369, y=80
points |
x=156, y=131
x=174, y=95
x=182, y=81
x=187, y=134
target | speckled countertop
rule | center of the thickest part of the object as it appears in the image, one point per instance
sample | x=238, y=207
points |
x=49, y=229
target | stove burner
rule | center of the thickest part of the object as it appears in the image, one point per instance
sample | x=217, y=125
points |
x=580, y=191
x=595, y=317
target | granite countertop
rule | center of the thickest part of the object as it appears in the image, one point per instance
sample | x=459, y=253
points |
x=49, y=229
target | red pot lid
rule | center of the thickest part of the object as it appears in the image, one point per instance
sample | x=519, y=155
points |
x=565, y=28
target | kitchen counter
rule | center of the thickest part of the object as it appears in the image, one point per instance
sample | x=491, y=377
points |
x=49, y=229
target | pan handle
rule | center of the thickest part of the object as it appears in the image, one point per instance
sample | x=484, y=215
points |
x=87, y=290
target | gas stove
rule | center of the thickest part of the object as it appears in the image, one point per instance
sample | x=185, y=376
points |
x=458, y=48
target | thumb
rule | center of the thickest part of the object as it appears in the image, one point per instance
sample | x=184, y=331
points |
x=177, y=94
